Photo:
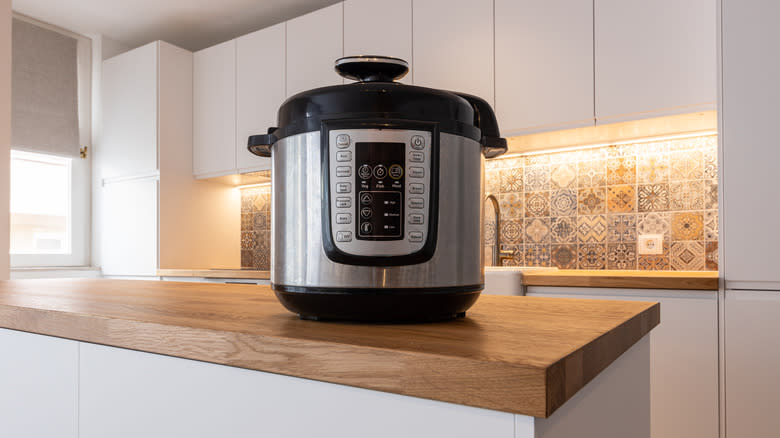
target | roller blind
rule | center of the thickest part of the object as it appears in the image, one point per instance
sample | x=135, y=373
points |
x=44, y=104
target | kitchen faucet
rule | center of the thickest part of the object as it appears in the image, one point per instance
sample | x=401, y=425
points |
x=499, y=254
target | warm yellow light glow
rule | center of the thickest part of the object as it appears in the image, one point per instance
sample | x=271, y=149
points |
x=249, y=186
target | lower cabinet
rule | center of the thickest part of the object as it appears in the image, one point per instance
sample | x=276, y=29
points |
x=752, y=363
x=683, y=359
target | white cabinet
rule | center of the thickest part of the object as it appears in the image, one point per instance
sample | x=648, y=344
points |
x=544, y=64
x=654, y=57
x=752, y=361
x=129, y=110
x=683, y=360
x=453, y=46
x=260, y=90
x=372, y=28
x=38, y=386
x=314, y=42
x=214, y=111
x=748, y=135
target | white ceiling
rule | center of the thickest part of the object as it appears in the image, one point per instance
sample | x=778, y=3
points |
x=191, y=24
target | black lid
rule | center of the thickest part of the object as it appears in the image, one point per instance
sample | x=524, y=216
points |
x=376, y=96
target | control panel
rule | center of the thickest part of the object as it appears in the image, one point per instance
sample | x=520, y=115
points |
x=379, y=190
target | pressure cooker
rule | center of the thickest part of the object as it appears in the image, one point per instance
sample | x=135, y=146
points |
x=377, y=191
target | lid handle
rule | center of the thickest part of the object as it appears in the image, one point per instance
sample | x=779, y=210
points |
x=369, y=68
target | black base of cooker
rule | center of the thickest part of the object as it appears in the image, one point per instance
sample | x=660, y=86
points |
x=378, y=305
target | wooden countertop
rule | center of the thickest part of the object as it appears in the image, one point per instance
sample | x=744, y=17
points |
x=215, y=273
x=624, y=279
x=524, y=355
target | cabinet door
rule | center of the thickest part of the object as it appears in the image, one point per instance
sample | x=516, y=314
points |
x=654, y=57
x=752, y=360
x=214, y=110
x=129, y=143
x=683, y=358
x=259, y=90
x=129, y=228
x=544, y=64
x=453, y=46
x=314, y=42
x=371, y=28
x=38, y=384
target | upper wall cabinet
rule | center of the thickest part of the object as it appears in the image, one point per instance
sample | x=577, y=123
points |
x=314, y=42
x=544, y=64
x=654, y=57
x=453, y=46
x=388, y=33
x=260, y=90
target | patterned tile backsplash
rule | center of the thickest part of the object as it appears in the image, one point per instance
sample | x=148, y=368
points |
x=582, y=209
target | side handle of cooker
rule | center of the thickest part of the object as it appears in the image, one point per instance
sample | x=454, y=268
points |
x=492, y=143
x=261, y=144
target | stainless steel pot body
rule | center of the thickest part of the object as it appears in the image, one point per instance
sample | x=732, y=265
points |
x=298, y=258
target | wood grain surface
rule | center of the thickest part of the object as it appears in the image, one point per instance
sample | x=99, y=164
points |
x=215, y=273
x=524, y=355
x=688, y=280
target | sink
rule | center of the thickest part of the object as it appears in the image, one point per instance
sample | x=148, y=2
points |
x=507, y=280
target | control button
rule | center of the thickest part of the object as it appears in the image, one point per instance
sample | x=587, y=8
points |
x=344, y=171
x=396, y=171
x=416, y=189
x=380, y=171
x=343, y=202
x=418, y=142
x=416, y=219
x=343, y=187
x=366, y=213
x=416, y=203
x=366, y=198
x=344, y=156
x=342, y=141
x=343, y=218
x=366, y=228
x=343, y=236
x=415, y=236
x=365, y=171
x=416, y=172
x=415, y=157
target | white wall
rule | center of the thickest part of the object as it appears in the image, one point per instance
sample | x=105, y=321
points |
x=5, y=131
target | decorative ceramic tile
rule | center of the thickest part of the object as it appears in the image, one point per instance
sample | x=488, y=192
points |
x=248, y=240
x=563, y=157
x=593, y=154
x=514, y=162
x=687, y=256
x=711, y=256
x=711, y=225
x=711, y=194
x=652, y=147
x=262, y=259
x=512, y=231
x=510, y=204
x=591, y=173
x=686, y=195
x=710, y=162
x=621, y=228
x=687, y=226
x=262, y=201
x=621, y=255
x=563, y=230
x=537, y=230
x=247, y=258
x=537, y=204
x=685, y=165
x=592, y=229
x=537, y=255
x=537, y=178
x=653, y=197
x=247, y=222
x=261, y=221
x=591, y=256
x=536, y=159
x=652, y=169
x=510, y=180
x=653, y=262
x=621, y=150
x=563, y=175
x=492, y=181
x=517, y=257
x=564, y=256
x=621, y=170
x=489, y=231
x=621, y=199
x=247, y=201
x=591, y=201
x=563, y=202
x=654, y=223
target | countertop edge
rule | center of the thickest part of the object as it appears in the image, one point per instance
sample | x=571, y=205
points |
x=215, y=273
x=632, y=279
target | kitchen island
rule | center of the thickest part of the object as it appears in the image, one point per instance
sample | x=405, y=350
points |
x=132, y=358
